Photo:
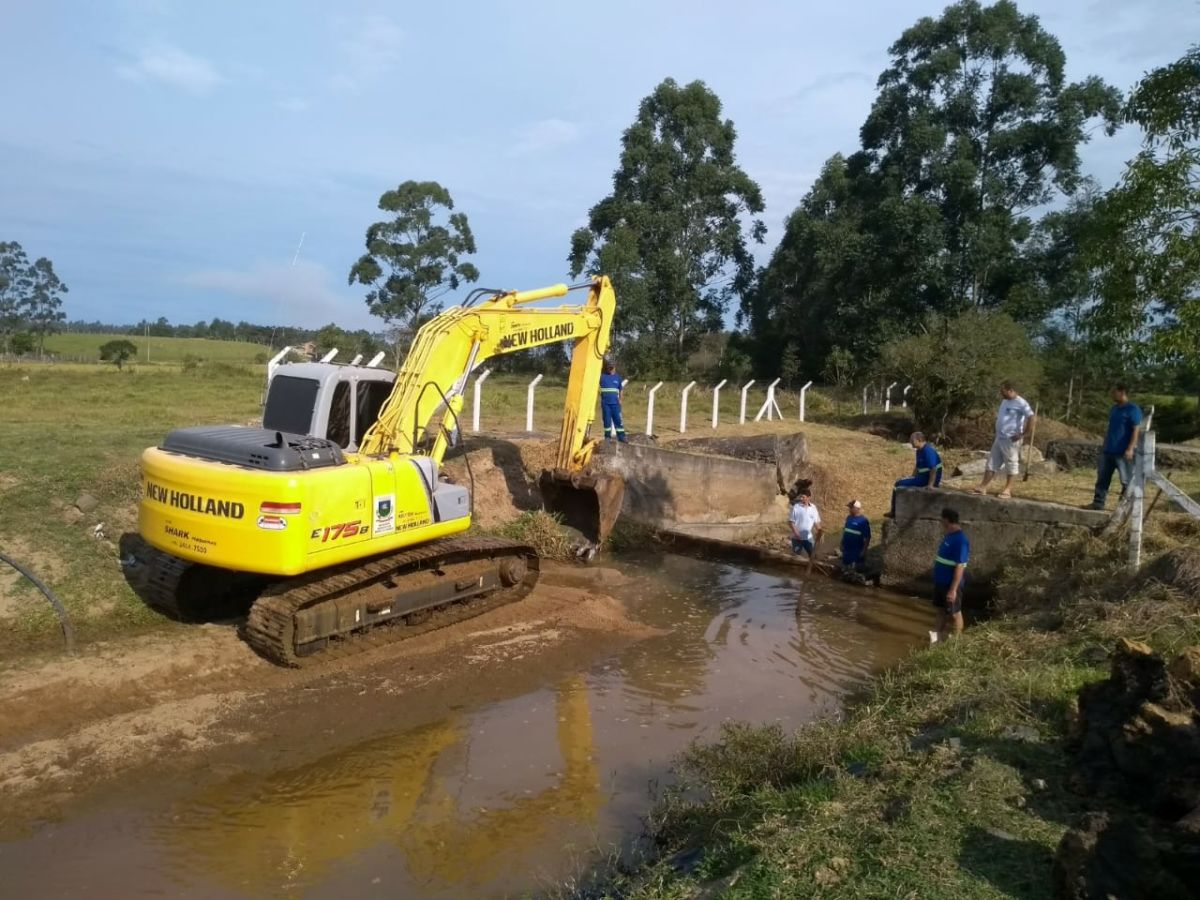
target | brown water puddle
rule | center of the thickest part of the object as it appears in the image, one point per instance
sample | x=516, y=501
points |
x=505, y=795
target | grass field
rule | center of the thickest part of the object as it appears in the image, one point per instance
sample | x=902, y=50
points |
x=83, y=347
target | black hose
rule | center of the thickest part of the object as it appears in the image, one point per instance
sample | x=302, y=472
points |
x=68, y=629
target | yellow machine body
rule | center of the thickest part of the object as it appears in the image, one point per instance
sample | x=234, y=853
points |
x=380, y=498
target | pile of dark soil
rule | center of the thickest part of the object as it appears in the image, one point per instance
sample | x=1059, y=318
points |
x=1136, y=742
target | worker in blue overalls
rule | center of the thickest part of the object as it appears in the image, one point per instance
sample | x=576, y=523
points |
x=610, y=402
x=927, y=472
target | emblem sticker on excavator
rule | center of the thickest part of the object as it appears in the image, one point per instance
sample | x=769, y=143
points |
x=385, y=515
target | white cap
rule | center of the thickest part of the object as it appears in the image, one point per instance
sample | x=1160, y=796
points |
x=854, y=504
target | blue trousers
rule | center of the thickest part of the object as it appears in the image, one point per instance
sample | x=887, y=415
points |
x=612, y=417
x=1106, y=465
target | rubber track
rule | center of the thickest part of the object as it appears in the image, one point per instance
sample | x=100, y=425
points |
x=161, y=587
x=270, y=626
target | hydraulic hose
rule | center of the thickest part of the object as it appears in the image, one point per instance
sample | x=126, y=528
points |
x=64, y=620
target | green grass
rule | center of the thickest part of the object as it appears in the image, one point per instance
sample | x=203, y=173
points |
x=948, y=779
x=84, y=347
x=68, y=431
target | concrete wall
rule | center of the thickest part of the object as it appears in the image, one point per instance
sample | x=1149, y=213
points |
x=711, y=496
x=995, y=528
x=1083, y=454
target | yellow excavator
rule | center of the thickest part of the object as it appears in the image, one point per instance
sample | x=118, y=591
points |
x=336, y=507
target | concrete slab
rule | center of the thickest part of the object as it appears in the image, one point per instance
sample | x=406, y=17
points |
x=718, y=496
x=996, y=528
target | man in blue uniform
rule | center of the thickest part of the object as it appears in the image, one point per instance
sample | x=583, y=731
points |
x=927, y=472
x=610, y=402
x=949, y=572
x=856, y=538
x=1120, y=442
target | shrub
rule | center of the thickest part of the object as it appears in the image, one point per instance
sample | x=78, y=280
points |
x=956, y=364
x=118, y=351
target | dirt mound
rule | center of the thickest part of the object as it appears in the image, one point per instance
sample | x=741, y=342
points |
x=504, y=487
x=1178, y=569
x=1138, y=733
x=1118, y=856
x=1137, y=742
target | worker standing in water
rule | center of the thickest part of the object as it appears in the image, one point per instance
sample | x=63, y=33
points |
x=856, y=538
x=949, y=572
x=611, y=394
x=927, y=471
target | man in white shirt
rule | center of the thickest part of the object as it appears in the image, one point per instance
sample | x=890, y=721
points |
x=806, y=525
x=1012, y=420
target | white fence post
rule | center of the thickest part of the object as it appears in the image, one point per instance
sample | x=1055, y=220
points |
x=745, y=387
x=376, y=359
x=1143, y=464
x=716, y=395
x=275, y=361
x=864, y=400
x=328, y=357
x=529, y=404
x=475, y=411
x=887, y=403
x=650, y=410
x=907, y=388
x=768, y=406
x=357, y=359
x=803, y=391
x=683, y=407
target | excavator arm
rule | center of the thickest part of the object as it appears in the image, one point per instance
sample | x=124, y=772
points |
x=424, y=405
x=429, y=390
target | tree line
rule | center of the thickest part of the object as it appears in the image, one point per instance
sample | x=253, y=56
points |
x=959, y=242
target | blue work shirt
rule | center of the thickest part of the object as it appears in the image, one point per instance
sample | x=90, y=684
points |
x=928, y=463
x=953, y=551
x=610, y=389
x=1122, y=419
x=856, y=534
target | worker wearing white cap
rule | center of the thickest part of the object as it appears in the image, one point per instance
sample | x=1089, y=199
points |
x=856, y=537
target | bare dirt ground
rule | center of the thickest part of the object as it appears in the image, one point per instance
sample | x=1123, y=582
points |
x=198, y=698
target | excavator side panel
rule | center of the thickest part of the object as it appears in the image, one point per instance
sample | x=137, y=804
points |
x=285, y=523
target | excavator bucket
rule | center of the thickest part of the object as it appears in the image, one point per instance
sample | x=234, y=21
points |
x=587, y=502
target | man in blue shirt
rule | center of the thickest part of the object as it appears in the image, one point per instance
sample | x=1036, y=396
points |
x=610, y=402
x=927, y=471
x=856, y=538
x=949, y=571
x=1120, y=442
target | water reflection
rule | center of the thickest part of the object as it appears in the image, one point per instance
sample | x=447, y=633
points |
x=293, y=826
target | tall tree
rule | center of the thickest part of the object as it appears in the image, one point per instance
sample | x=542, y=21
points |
x=44, y=306
x=975, y=114
x=16, y=285
x=974, y=127
x=1148, y=242
x=416, y=256
x=673, y=233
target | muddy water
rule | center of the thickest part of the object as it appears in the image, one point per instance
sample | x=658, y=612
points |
x=503, y=798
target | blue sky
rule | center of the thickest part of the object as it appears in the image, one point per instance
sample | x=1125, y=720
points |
x=168, y=156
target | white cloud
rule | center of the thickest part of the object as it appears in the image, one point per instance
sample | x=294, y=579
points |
x=371, y=46
x=293, y=104
x=545, y=136
x=304, y=293
x=173, y=67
